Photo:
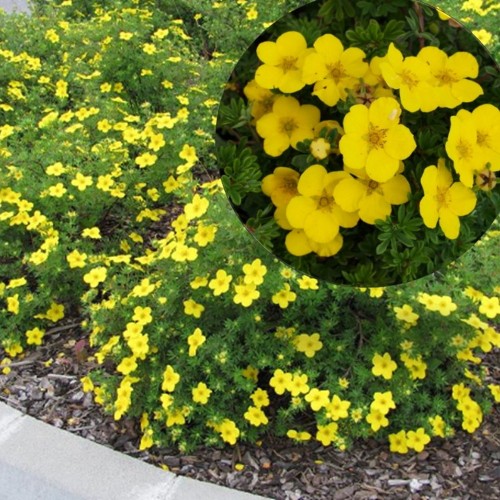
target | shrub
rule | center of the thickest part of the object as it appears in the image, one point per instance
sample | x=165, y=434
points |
x=352, y=135
x=142, y=250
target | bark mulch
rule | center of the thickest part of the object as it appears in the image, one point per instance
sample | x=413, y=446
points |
x=45, y=384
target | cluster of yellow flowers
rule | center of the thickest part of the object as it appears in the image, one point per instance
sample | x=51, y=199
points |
x=372, y=142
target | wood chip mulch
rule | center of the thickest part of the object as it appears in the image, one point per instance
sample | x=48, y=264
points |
x=45, y=384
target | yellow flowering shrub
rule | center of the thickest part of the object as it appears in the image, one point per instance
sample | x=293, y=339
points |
x=196, y=331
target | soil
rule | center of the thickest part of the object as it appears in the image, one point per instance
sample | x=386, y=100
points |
x=45, y=384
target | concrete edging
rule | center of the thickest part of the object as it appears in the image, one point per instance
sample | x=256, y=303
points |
x=39, y=461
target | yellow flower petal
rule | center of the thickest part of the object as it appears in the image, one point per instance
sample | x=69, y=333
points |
x=354, y=150
x=348, y=193
x=463, y=64
x=400, y=143
x=449, y=223
x=373, y=207
x=357, y=120
x=297, y=243
x=321, y=227
x=267, y=76
x=380, y=166
x=267, y=52
x=311, y=182
x=429, y=211
x=462, y=199
x=396, y=190
x=298, y=209
x=466, y=90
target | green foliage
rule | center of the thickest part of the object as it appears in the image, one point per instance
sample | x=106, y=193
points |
x=241, y=171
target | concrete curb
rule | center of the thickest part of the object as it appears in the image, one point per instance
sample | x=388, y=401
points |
x=39, y=461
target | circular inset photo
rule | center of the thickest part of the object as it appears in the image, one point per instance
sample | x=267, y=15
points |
x=361, y=145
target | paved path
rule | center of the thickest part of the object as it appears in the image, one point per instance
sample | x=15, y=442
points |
x=41, y=462
x=14, y=5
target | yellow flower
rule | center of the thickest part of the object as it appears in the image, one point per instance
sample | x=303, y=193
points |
x=254, y=273
x=143, y=289
x=61, y=89
x=314, y=210
x=95, y=276
x=280, y=381
x=318, y=398
x=196, y=208
x=307, y=283
x=383, y=366
x=438, y=426
x=127, y=365
x=192, y=308
x=288, y=123
x=308, y=344
x=382, y=402
x=284, y=297
x=201, y=393
x=82, y=181
x=337, y=408
x=406, y=314
x=377, y=420
x=333, y=69
x=205, y=234
x=228, y=431
x=490, y=307
x=260, y=398
x=298, y=385
x=373, y=200
x=281, y=185
x=283, y=62
x=195, y=340
x=57, y=190
x=398, y=442
x=444, y=200
x=374, y=139
x=91, y=232
x=55, y=312
x=483, y=36
x=450, y=76
x=146, y=160
x=417, y=440
x=411, y=76
x=256, y=416
x=142, y=315
x=327, y=433
x=261, y=100
x=13, y=304
x=220, y=284
x=495, y=391
x=139, y=345
x=76, y=259
x=170, y=379
x=34, y=336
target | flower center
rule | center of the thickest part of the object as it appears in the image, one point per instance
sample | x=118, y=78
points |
x=447, y=77
x=483, y=138
x=336, y=71
x=409, y=78
x=372, y=186
x=290, y=186
x=441, y=197
x=288, y=63
x=288, y=125
x=376, y=137
x=464, y=149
